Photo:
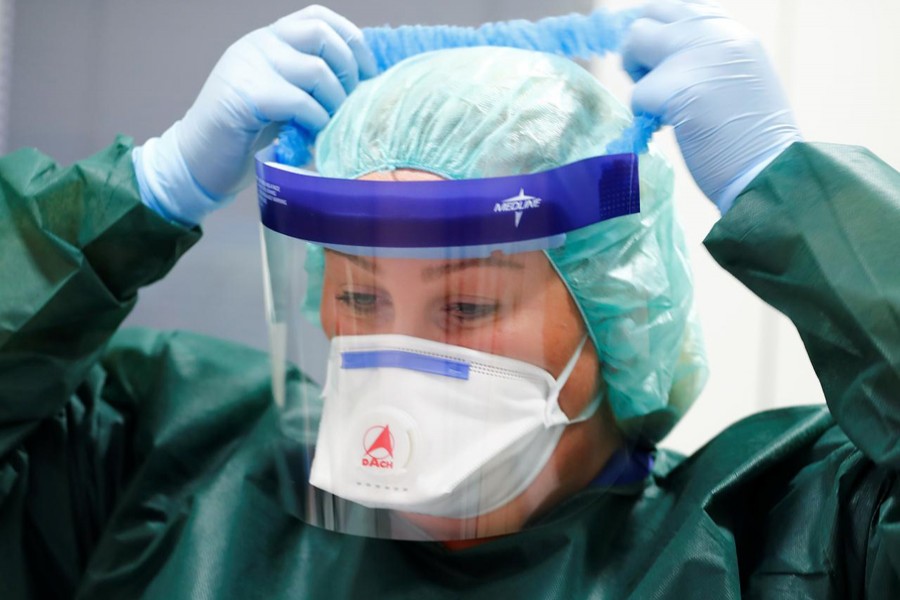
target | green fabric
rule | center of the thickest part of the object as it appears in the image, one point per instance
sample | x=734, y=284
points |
x=142, y=466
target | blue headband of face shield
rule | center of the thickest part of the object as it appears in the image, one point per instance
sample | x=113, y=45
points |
x=443, y=219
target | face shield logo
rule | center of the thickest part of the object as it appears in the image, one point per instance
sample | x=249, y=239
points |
x=378, y=442
x=518, y=204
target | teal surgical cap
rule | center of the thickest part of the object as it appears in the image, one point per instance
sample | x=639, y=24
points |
x=487, y=112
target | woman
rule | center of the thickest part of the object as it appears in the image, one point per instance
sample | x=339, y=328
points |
x=476, y=462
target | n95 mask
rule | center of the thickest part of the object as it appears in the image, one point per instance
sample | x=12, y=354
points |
x=420, y=426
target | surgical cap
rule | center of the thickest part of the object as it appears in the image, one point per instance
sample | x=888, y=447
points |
x=487, y=112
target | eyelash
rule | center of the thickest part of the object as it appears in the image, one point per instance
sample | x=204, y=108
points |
x=462, y=311
x=354, y=300
x=363, y=303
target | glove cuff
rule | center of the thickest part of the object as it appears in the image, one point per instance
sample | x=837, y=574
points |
x=733, y=190
x=166, y=184
x=725, y=199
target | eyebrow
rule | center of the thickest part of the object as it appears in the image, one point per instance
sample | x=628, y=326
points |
x=445, y=269
x=460, y=265
x=359, y=261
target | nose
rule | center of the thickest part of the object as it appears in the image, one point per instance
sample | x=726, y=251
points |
x=410, y=318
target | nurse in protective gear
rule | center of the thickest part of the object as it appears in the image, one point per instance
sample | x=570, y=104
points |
x=493, y=389
x=500, y=320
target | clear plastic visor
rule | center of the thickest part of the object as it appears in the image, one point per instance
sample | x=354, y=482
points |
x=429, y=392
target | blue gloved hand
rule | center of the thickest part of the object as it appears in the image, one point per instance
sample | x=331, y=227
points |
x=298, y=69
x=709, y=78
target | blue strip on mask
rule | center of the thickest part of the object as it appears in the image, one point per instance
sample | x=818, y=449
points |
x=410, y=361
x=575, y=36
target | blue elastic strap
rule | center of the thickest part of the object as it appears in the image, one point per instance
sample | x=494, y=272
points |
x=573, y=36
x=635, y=137
x=293, y=146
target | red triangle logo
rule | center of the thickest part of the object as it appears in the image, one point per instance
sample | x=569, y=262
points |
x=383, y=441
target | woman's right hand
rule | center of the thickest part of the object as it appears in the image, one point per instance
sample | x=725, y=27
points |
x=299, y=69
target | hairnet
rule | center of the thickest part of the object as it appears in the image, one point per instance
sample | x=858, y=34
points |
x=487, y=112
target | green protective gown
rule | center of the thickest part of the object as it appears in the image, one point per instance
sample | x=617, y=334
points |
x=139, y=463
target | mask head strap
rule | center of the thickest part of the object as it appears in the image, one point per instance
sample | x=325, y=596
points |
x=554, y=414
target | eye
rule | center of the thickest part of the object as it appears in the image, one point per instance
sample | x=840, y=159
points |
x=359, y=302
x=469, y=311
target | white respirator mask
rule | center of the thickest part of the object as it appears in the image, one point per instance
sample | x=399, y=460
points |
x=420, y=426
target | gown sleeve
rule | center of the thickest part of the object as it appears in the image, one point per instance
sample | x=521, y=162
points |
x=76, y=244
x=817, y=236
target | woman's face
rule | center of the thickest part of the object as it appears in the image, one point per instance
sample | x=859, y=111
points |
x=512, y=305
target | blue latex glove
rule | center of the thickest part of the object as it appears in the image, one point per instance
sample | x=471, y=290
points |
x=298, y=69
x=709, y=78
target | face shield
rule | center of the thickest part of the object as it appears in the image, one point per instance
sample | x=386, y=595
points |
x=428, y=358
